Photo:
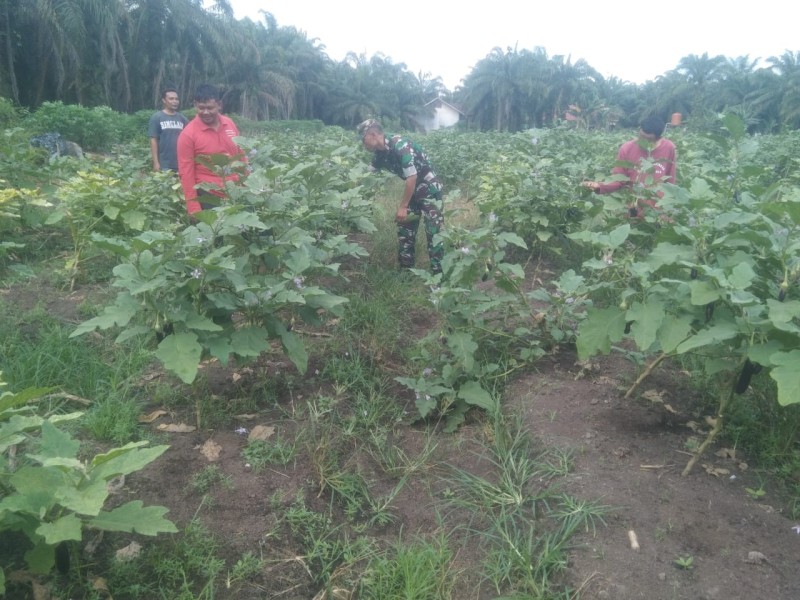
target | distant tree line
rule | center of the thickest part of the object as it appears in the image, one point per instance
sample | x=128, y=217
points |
x=122, y=53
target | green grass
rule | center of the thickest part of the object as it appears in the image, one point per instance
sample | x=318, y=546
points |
x=261, y=453
x=422, y=568
x=210, y=477
x=36, y=350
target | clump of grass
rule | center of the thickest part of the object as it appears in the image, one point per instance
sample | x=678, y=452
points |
x=114, y=420
x=261, y=453
x=422, y=569
x=210, y=477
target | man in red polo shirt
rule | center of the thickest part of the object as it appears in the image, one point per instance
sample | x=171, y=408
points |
x=645, y=161
x=210, y=132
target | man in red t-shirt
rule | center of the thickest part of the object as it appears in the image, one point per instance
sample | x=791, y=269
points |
x=645, y=161
x=210, y=132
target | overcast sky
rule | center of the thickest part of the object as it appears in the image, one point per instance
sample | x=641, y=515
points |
x=634, y=40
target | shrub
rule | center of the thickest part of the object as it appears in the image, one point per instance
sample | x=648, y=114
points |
x=97, y=128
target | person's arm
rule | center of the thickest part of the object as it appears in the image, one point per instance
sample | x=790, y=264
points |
x=615, y=186
x=408, y=193
x=672, y=170
x=154, y=154
x=186, y=171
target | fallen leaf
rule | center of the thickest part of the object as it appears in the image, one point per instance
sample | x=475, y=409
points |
x=756, y=558
x=743, y=466
x=100, y=585
x=654, y=396
x=211, y=450
x=693, y=425
x=246, y=417
x=149, y=418
x=176, y=427
x=261, y=432
x=129, y=552
x=726, y=453
x=710, y=421
x=715, y=471
x=670, y=409
x=39, y=591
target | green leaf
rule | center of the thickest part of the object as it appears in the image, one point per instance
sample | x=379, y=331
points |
x=673, y=331
x=707, y=337
x=324, y=300
x=125, y=460
x=250, y=341
x=134, y=518
x=181, y=354
x=41, y=558
x=87, y=499
x=425, y=404
x=512, y=238
x=9, y=400
x=761, y=353
x=219, y=346
x=601, y=328
x=294, y=349
x=742, y=276
x=299, y=260
x=619, y=235
x=57, y=443
x=36, y=488
x=783, y=313
x=669, y=254
x=135, y=219
x=647, y=319
x=463, y=348
x=118, y=314
x=472, y=393
x=704, y=292
x=65, y=528
x=787, y=376
x=201, y=323
x=56, y=215
x=132, y=332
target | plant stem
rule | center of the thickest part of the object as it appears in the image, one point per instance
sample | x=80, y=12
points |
x=724, y=401
x=645, y=373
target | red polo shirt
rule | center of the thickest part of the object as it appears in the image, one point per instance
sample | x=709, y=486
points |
x=196, y=139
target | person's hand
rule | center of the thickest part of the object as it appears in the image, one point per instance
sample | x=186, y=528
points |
x=402, y=214
x=590, y=185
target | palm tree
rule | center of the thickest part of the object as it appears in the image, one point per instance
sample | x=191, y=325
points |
x=495, y=91
x=787, y=67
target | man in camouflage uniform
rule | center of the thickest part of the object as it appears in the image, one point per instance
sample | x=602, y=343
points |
x=422, y=194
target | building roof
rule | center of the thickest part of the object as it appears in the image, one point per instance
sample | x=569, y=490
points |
x=439, y=102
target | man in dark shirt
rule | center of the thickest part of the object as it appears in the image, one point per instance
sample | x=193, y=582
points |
x=422, y=193
x=164, y=128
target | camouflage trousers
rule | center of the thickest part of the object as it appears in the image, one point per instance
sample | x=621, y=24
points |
x=430, y=209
